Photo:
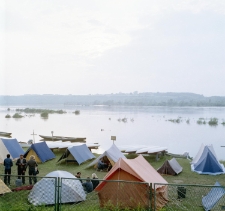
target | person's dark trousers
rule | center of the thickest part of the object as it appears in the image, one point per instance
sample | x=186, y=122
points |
x=32, y=172
x=21, y=172
x=7, y=177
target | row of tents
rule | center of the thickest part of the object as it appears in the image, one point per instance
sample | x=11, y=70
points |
x=205, y=162
x=129, y=186
x=42, y=152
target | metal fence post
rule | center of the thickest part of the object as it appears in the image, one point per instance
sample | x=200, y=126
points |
x=154, y=197
x=57, y=194
x=150, y=196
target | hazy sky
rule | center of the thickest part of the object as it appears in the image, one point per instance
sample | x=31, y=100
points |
x=90, y=47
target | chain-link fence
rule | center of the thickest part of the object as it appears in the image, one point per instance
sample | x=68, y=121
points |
x=66, y=194
x=16, y=196
x=192, y=197
x=109, y=195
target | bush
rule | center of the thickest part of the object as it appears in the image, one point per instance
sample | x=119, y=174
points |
x=77, y=112
x=199, y=122
x=213, y=121
x=44, y=114
x=17, y=115
x=7, y=116
x=175, y=120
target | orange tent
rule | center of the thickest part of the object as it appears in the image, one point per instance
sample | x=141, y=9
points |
x=127, y=194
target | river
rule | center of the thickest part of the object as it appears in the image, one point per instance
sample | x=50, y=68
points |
x=144, y=126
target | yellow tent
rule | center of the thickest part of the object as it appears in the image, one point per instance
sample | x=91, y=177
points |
x=3, y=188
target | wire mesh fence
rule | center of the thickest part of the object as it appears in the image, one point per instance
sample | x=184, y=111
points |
x=109, y=195
x=193, y=197
x=18, y=195
x=67, y=194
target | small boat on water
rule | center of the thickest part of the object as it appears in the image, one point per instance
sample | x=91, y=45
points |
x=5, y=134
x=63, y=138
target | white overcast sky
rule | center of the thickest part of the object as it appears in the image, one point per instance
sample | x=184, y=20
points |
x=90, y=47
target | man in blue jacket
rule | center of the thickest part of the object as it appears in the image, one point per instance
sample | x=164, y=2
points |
x=88, y=186
x=8, y=164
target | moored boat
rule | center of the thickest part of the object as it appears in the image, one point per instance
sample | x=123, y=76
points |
x=64, y=138
x=5, y=134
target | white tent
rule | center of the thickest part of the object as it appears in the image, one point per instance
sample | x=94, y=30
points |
x=43, y=191
x=113, y=154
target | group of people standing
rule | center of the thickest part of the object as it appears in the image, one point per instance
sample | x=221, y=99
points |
x=22, y=165
x=90, y=184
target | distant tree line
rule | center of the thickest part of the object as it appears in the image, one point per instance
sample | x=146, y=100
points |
x=120, y=99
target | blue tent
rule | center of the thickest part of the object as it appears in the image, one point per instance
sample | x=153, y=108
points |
x=41, y=152
x=79, y=153
x=10, y=146
x=214, y=195
x=207, y=163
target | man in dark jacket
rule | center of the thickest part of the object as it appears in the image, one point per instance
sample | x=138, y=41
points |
x=102, y=165
x=8, y=164
x=88, y=186
x=32, y=164
x=21, y=167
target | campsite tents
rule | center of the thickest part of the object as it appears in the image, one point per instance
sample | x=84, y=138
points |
x=40, y=151
x=79, y=153
x=112, y=155
x=130, y=194
x=3, y=188
x=206, y=162
x=171, y=167
x=10, y=146
x=43, y=191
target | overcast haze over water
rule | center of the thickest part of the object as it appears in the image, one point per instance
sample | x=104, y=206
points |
x=150, y=126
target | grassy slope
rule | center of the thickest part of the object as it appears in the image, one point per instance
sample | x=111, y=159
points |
x=186, y=177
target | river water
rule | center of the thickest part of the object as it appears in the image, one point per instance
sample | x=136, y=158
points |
x=145, y=126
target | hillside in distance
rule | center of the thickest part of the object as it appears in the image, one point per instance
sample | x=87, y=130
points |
x=119, y=99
